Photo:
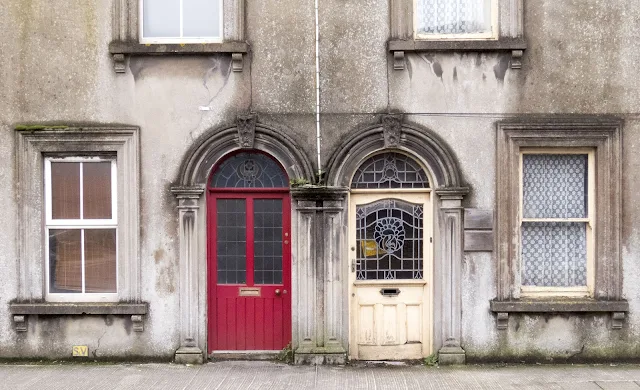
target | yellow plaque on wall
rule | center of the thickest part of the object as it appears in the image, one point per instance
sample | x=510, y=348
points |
x=80, y=350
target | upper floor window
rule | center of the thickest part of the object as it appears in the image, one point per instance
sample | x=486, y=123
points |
x=181, y=21
x=467, y=19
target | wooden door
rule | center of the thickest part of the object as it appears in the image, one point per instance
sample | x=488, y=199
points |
x=250, y=271
x=391, y=276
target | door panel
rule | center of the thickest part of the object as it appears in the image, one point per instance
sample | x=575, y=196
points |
x=391, y=276
x=249, y=262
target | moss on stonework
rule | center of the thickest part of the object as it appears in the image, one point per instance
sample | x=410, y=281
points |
x=41, y=127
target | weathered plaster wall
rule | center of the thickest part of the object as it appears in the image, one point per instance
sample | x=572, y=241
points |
x=55, y=68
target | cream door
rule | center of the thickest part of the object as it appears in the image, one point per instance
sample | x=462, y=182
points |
x=390, y=282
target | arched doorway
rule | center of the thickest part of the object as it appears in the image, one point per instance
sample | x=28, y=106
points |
x=248, y=254
x=390, y=240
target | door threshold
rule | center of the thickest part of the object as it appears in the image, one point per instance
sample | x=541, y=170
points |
x=245, y=355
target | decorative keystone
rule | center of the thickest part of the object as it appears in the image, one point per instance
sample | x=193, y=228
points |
x=246, y=124
x=392, y=130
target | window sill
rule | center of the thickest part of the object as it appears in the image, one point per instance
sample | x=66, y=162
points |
x=515, y=46
x=20, y=311
x=559, y=305
x=120, y=49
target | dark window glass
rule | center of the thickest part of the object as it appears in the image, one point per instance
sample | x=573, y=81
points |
x=390, y=170
x=96, y=182
x=249, y=170
x=65, y=190
x=267, y=232
x=100, y=260
x=65, y=261
x=231, y=241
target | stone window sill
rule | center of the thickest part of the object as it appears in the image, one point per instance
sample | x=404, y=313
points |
x=21, y=311
x=120, y=49
x=515, y=46
x=559, y=305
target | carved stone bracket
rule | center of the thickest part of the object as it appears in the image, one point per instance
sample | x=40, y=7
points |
x=617, y=319
x=237, y=62
x=119, y=64
x=21, y=323
x=392, y=130
x=138, y=323
x=246, y=124
x=503, y=321
x=398, y=60
x=188, y=205
x=516, y=59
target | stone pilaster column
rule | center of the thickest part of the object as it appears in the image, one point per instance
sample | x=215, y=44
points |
x=449, y=271
x=319, y=271
x=188, y=210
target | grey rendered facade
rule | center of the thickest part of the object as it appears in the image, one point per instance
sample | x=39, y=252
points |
x=561, y=74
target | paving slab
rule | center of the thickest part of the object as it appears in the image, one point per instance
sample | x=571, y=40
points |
x=278, y=376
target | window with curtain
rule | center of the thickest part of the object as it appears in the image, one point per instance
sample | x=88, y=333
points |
x=81, y=228
x=181, y=21
x=556, y=223
x=454, y=18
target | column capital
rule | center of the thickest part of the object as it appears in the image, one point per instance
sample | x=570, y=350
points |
x=187, y=192
x=451, y=193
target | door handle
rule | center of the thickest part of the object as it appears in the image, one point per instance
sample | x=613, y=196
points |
x=390, y=292
x=277, y=291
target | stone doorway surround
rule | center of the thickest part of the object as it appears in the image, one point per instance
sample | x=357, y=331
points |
x=320, y=302
x=330, y=300
x=246, y=133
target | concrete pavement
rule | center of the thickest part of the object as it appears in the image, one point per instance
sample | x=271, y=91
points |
x=268, y=375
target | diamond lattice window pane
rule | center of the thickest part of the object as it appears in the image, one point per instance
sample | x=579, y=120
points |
x=555, y=185
x=554, y=254
x=442, y=17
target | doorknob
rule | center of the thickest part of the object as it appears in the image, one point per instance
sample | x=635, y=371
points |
x=277, y=291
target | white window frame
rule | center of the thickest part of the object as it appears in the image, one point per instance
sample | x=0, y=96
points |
x=79, y=224
x=160, y=40
x=576, y=291
x=492, y=34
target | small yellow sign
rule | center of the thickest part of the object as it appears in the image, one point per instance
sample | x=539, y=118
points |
x=80, y=350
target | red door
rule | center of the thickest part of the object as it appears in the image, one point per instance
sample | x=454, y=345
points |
x=249, y=270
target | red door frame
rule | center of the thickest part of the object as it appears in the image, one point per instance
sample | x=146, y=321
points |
x=216, y=291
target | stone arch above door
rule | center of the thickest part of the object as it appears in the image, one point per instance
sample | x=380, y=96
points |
x=392, y=133
x=246, y=134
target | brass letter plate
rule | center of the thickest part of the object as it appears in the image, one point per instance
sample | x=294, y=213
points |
x=249, y=291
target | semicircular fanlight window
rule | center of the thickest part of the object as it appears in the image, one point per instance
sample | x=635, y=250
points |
x=388, y=171
x=249, y=170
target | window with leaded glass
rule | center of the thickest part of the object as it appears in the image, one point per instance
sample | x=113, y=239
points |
x=556, y=221
x=389, y=239
x=389, y=171
x=81, y=228
x=455, y=18
x=249, y=170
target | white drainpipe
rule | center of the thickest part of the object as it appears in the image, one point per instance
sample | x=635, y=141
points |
x=318, y=137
